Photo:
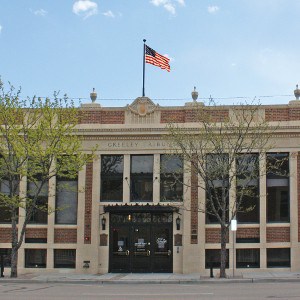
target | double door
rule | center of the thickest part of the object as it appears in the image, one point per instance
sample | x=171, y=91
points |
x=141, y=248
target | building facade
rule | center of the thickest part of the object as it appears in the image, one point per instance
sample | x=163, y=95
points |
x=125, y=215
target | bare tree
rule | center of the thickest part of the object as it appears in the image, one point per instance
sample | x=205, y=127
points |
x=225, y=154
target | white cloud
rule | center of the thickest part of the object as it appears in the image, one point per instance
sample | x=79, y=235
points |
x=0, y=29
x=169, y=5
x=39, y=12
x=85, y=8
x=213, y=9
x=109, y=14
x=181, y=2
x=170, y=8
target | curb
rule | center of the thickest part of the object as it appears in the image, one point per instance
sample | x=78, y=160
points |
x=174, y=281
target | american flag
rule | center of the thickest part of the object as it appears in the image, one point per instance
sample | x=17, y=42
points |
x=156, y=59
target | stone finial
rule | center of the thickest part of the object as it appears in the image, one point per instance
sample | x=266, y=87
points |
x=297, y=92
x=93, y=95
x=194, y=94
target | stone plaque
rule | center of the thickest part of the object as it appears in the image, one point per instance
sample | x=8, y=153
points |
x=103, y=239
x=178, y=239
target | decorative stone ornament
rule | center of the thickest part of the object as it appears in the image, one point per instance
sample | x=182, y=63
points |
x=142, y=106
x=297, y=92
x=93, y=95
x=194, y=94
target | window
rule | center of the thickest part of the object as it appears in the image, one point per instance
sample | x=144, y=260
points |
x=278, y=187
x=171, y=178
x=40, y=213
x=213, y=258
x=66, y=201
x=5, y=212
x=35, y=258
x=65, y=258
x=5, y=254
x=247, y=192
x=247, y=258
x=141, y=178
x=111, y=178
x=279, y=257
x=217, y=192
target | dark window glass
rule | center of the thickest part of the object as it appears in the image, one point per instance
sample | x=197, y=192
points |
x=66, y=201
x=40, y=208
x=278, y=191
x=217, y=170
x=213, y=258
x=141, y=178
x=247, y=258
x=171, y=178
x=5, y=212
x=247, y=192
x=5, y=254
x=36, y=240
x=111, y=178
x=248, y=240
x=65, y=258
x=278, y=257
x=35, y=258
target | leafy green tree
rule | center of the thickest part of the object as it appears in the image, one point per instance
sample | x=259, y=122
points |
x=38, y=140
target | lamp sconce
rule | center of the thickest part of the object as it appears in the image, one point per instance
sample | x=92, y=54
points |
x=103, y=223
x=86, y=264
x=178, y=221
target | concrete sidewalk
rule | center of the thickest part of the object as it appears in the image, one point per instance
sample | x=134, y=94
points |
x=150, y=278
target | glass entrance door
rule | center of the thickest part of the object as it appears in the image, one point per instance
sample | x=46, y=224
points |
x=141, y=249
x=141, y=243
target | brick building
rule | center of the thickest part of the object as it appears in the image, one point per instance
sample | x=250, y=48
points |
x=125, y=218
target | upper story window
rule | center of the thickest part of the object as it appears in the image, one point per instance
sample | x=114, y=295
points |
x=66, y=200
x=278, y=191
x=141, y=178
x=112, y=178
x=247, y=190
x=171, y=178
x=5, y=210
x=39, y=209
x=217, y=192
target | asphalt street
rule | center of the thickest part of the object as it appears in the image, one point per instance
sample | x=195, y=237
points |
x=241, y=291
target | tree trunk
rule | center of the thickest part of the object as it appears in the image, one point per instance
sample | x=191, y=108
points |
x=14, y=249
x=224, y=230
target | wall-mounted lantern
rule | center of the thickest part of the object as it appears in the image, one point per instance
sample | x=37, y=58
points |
x=178, y=221
x=103, y=223
x=86, y=264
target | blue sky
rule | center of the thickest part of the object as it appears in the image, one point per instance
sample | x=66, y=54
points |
x=226, y=48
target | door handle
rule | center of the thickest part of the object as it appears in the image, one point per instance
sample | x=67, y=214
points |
x=148, y=252
x=127, y=252
x=169, y=252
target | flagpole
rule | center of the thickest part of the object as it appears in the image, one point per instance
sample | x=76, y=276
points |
x=144, y=68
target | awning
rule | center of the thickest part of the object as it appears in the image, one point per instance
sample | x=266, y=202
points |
x=126, y=208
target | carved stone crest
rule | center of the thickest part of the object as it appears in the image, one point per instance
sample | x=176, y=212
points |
x=142, y=106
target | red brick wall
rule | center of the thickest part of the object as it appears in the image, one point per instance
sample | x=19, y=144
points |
x=282, y=114
x=298, y=193
x=191, y=115
x=5, y=235
x=194, y=207
x=101, y=117
x=39, y=233
x=247, y=233
x=88, y=203
x=65, y=236
x=213, y=236
x=177, y=116
x=278, y=234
